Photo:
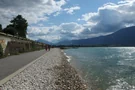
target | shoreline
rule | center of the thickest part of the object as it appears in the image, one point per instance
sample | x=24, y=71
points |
x=69, y=78
x=91, y=85
x=51, y=72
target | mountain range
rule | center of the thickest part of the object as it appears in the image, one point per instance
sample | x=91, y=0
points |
x=44, y=41
x=125, y=36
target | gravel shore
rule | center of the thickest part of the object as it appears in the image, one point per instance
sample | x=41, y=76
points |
x=51, y=72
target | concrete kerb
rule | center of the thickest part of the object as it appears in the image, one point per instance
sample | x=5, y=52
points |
x=18, y=71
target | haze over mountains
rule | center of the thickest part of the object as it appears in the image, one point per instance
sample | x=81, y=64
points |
x=125, y=36
x=44, y=41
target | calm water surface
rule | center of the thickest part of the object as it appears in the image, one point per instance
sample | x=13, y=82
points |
x=105, y=68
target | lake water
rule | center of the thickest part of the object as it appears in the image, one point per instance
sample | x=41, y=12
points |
x=105, y=68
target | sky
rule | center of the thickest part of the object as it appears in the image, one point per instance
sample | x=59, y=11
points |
x=57, y=20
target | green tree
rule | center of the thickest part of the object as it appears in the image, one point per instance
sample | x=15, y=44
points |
x=1, y=51
x=20, y=24
x=10, y=30
x=0, y=28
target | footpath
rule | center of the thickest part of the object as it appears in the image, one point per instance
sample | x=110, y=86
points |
x=11, y=64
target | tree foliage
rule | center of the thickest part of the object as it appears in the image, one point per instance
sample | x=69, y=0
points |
x=10, y=30
x=1, y=51
x=0, y=27
x=20, y=24
x=17, y=27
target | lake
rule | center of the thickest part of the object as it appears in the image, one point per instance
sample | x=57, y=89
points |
x=105, y=68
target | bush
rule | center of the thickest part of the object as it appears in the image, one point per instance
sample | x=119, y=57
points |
x=1, y=51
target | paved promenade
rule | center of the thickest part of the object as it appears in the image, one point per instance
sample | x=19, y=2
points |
x=11, y=64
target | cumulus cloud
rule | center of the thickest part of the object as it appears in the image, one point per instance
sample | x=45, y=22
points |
x=111, y=17
x=108, y=18
x=64, y=31
x=32, y=10
x=56, y=14
x=70, y=30
x=43, y=32
x=71, y=9
x=88, y=16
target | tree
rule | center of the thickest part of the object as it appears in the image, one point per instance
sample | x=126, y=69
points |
x=0, y=28
x=10, y=30
x=1, y=51
x=20, y=24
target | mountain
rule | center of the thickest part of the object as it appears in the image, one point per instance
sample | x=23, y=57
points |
x=44, y=41
x=125, y=36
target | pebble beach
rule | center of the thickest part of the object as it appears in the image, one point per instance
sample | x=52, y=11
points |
x=50, y=72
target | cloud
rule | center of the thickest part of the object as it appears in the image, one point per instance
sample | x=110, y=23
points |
x=70, y=30
x=88, y=16
x=71, y=9
x=64, y=31
x=110, y=17
x=36, y=11
x=56, y=14
x=33, y=10
x=43, y=32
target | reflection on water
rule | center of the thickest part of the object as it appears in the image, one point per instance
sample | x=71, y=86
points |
x=110, y=68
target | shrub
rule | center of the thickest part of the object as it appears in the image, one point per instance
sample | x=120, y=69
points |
x=1, y=51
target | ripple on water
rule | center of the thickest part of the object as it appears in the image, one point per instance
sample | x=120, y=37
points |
x=111, y=68
x=121, y=84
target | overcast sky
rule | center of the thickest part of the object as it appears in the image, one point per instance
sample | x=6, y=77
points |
x=55, y=20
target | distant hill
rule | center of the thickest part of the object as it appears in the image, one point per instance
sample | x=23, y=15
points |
x=44, y=41
x=124, y=36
